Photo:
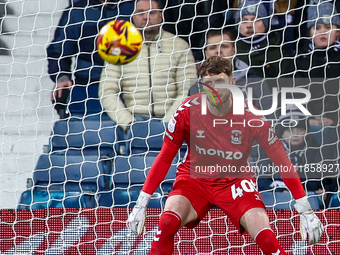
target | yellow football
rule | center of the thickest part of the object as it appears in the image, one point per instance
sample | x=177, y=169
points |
x=119, y=42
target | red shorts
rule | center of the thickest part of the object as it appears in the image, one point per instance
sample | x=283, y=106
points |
x=234, y=198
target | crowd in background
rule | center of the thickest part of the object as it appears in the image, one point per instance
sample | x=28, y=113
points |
x=271, y=44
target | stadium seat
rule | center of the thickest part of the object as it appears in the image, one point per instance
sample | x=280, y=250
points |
x=40, y=199
x=68, y=180
x=99, y=138
x=78, y=166
x=84, y=170
x=147, y=136
x=284, y=200
x=334, y=203
x=78, y=134
x=128, y=178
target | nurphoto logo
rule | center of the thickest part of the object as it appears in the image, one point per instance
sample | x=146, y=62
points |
x=238, y=102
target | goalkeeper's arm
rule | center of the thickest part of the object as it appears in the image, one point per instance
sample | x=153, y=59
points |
x=157, y=173
x=309, y=222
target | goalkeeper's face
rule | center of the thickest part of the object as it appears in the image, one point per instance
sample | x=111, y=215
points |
x=324, y=35
x=223, y=93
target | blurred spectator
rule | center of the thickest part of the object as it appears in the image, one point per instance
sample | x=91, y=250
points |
x=318, y=63
x=258, y=49
x=286, y=19
x=222, y=43
x=154, y=84
x=190, y=19
x=284, y=11
x=302, y=149
x=300, y=146
x=318, y=67
x=73, y=62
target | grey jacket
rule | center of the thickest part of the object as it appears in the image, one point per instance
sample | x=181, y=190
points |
x=152, y=85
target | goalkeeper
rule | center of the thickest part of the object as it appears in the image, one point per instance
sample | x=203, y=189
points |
x=194, y=193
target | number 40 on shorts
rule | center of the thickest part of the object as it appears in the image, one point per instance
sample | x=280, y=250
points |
x=246, y=186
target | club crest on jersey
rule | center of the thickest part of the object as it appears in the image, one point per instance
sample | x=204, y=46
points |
x=200, y=134
x=236, y=137
x=172, y=124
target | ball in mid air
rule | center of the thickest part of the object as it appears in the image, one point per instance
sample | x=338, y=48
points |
x=119, y=42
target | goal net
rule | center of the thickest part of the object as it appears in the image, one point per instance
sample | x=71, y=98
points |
x=67, y=185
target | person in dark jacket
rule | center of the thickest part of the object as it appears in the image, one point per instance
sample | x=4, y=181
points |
x=318, y=63
x=222, y=43
x=303, y=151
x=73, y=62
x=258, y=49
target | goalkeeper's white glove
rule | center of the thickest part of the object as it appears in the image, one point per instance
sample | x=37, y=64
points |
x=137, y=217
x=309, y=222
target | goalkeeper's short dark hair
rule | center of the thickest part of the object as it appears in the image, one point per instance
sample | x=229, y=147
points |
x=160, y=3
x=216, y=65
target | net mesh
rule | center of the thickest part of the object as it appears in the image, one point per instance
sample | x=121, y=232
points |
x=49, y=166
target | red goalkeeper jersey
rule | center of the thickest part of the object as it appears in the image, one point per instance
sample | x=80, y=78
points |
x=218, y=146
x=223, y=142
